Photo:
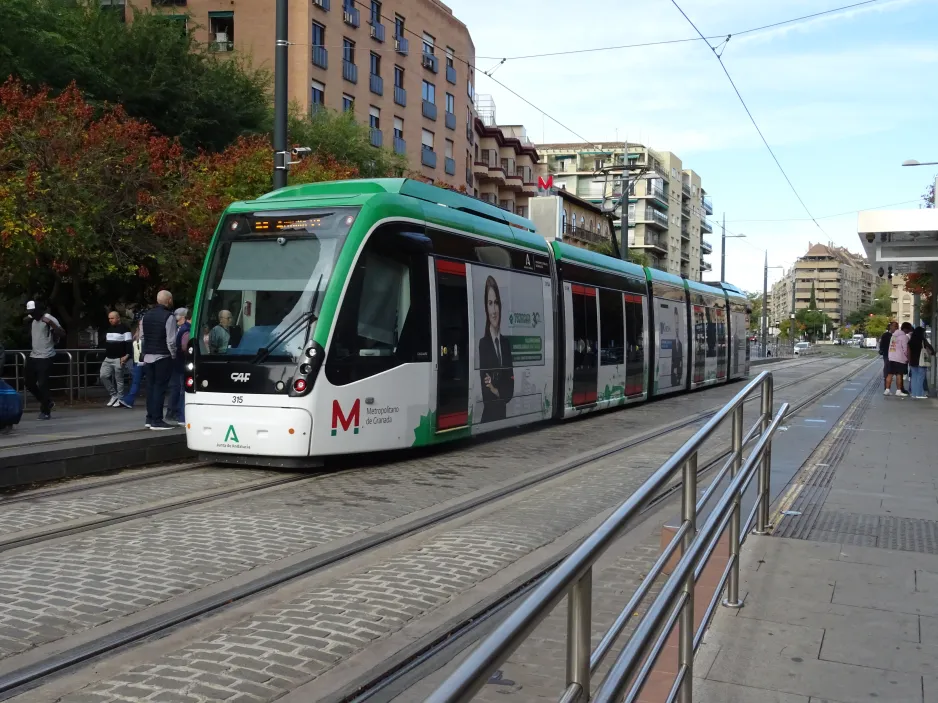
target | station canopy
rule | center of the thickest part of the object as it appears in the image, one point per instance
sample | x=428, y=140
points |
x=906, y=240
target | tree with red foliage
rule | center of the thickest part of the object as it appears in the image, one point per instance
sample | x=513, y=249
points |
x=920, y=284
x=83, y=193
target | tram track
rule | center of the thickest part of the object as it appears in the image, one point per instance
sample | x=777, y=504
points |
x=18, y=680
x=121, y=515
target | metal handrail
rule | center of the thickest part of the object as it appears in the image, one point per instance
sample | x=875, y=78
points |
x=73, y=372
x=675, y=602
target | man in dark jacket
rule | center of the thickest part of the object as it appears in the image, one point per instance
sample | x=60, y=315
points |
x=118, y=349
x=158, y=338
x=884, y=348
x=176, y=414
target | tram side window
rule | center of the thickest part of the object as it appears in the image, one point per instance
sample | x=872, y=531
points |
x=385, y=317
x=585, y=350
x=634, y=345
x=611, y=333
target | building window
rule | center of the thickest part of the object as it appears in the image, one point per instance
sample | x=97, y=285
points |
x=398, y=128
x=450, y=103
x=375, y=12
x=319, y=35
x=318, y=94
x=398, y=77
x=375, y=64
x=469, y=89
x=398, y=26
x=428, y=47
x=221, y=30
x=429, y=92
x=348, y=103
x=374, y=117
x=449, y=57
x=426, y=140
x=448, y=146
x=348, y=50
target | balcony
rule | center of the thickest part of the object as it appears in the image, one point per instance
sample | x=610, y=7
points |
x=652, y=217
x=706, y=247
x=706, y=226
x=582, y=234
x=322, y=4
x=350, y=71
x=685, y=257
x=705, y=266
x=376, y=83
x=401, y=45
x=451, y=74
x=685, y=233
x=707, y=205
x=351, y=16
x=651, y=242
x=429, y=110
x=428, y=157
x=480, y=169
x=659, y=194
x=449, y=166
x=377, y=138
x=430, y=62
x=377, y=31
x=450, y=120
x=400, y=146
x=685, y=210
x=400, y=96
x=685, y=189
x=320, y=57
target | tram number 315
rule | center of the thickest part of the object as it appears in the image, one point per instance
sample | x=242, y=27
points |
x=237, y=399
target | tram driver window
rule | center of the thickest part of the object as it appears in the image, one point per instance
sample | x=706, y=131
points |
x=611, y=334
x=385, y=317
x=634, y=345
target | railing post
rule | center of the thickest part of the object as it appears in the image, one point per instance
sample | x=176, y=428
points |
x=764, y=477
x=687, y=627
x=579, y=623
x=732, y=588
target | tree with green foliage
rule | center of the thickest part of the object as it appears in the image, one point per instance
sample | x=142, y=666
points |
x=155, y=71
x=813, y=322
x=876, y=326
x=812, y=303
x=845, y=332
x=755, y=319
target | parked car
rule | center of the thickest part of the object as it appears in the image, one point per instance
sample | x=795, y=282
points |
x=801, y=346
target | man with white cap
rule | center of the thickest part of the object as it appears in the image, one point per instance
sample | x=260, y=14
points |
x=45, y=331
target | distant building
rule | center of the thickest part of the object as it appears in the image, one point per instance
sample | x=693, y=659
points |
x=902, y=301
x=667, y=203
x=843, y=283
x=573, y=220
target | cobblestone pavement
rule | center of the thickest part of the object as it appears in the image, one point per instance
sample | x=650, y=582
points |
x=279, y=648
x=42, y=511
x=65, y=587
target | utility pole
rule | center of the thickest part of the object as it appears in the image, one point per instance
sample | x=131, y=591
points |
x=791, y=322
x=723, y=251
x=765, y=300
x=281, y=157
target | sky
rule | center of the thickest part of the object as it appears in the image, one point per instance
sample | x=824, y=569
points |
x=842, y=100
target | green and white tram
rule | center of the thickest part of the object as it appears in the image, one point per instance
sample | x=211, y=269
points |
x=358, y=316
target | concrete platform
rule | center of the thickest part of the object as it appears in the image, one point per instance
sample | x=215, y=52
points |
x=840, y=602
x=80, y=440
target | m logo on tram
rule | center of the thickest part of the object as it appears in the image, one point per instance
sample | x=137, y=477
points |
x=339, y=417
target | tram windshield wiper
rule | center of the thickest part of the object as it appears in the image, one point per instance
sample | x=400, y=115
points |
x=307, y=317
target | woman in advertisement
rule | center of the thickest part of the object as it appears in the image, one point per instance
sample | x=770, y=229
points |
x=495, y=363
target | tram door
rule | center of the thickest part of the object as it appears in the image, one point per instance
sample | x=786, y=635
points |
x=585, y=346
x=452, y=325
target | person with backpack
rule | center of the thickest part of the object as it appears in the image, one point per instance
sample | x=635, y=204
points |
x=918, y=366
x=177, y=389
x=45, y=332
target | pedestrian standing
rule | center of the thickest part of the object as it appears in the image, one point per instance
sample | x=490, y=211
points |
x=917, y=365
x=158, y=339
x=899, y=359
x=45, y=330
x=139, y=368
x=177, y=390
x=884, y=350
x=118, y=350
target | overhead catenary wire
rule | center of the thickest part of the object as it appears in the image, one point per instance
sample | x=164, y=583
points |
x=751, y=118
x=727, y=36
x=827, y=217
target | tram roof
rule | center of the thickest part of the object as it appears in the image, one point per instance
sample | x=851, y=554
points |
x=656, y=275
x=705, y=289
x=567, y=252
x=358, y=192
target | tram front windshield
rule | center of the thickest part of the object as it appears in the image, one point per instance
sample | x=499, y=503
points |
x=267, y=280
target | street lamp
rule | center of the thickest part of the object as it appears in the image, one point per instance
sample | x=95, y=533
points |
x=723, y=239
x=913, y=162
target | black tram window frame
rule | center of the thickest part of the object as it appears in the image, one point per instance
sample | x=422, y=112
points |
x=611, y=324
x=402, y=242
x=634, y=307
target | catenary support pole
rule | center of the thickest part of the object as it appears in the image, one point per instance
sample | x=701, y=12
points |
x=723, y=251
x=280, y=97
